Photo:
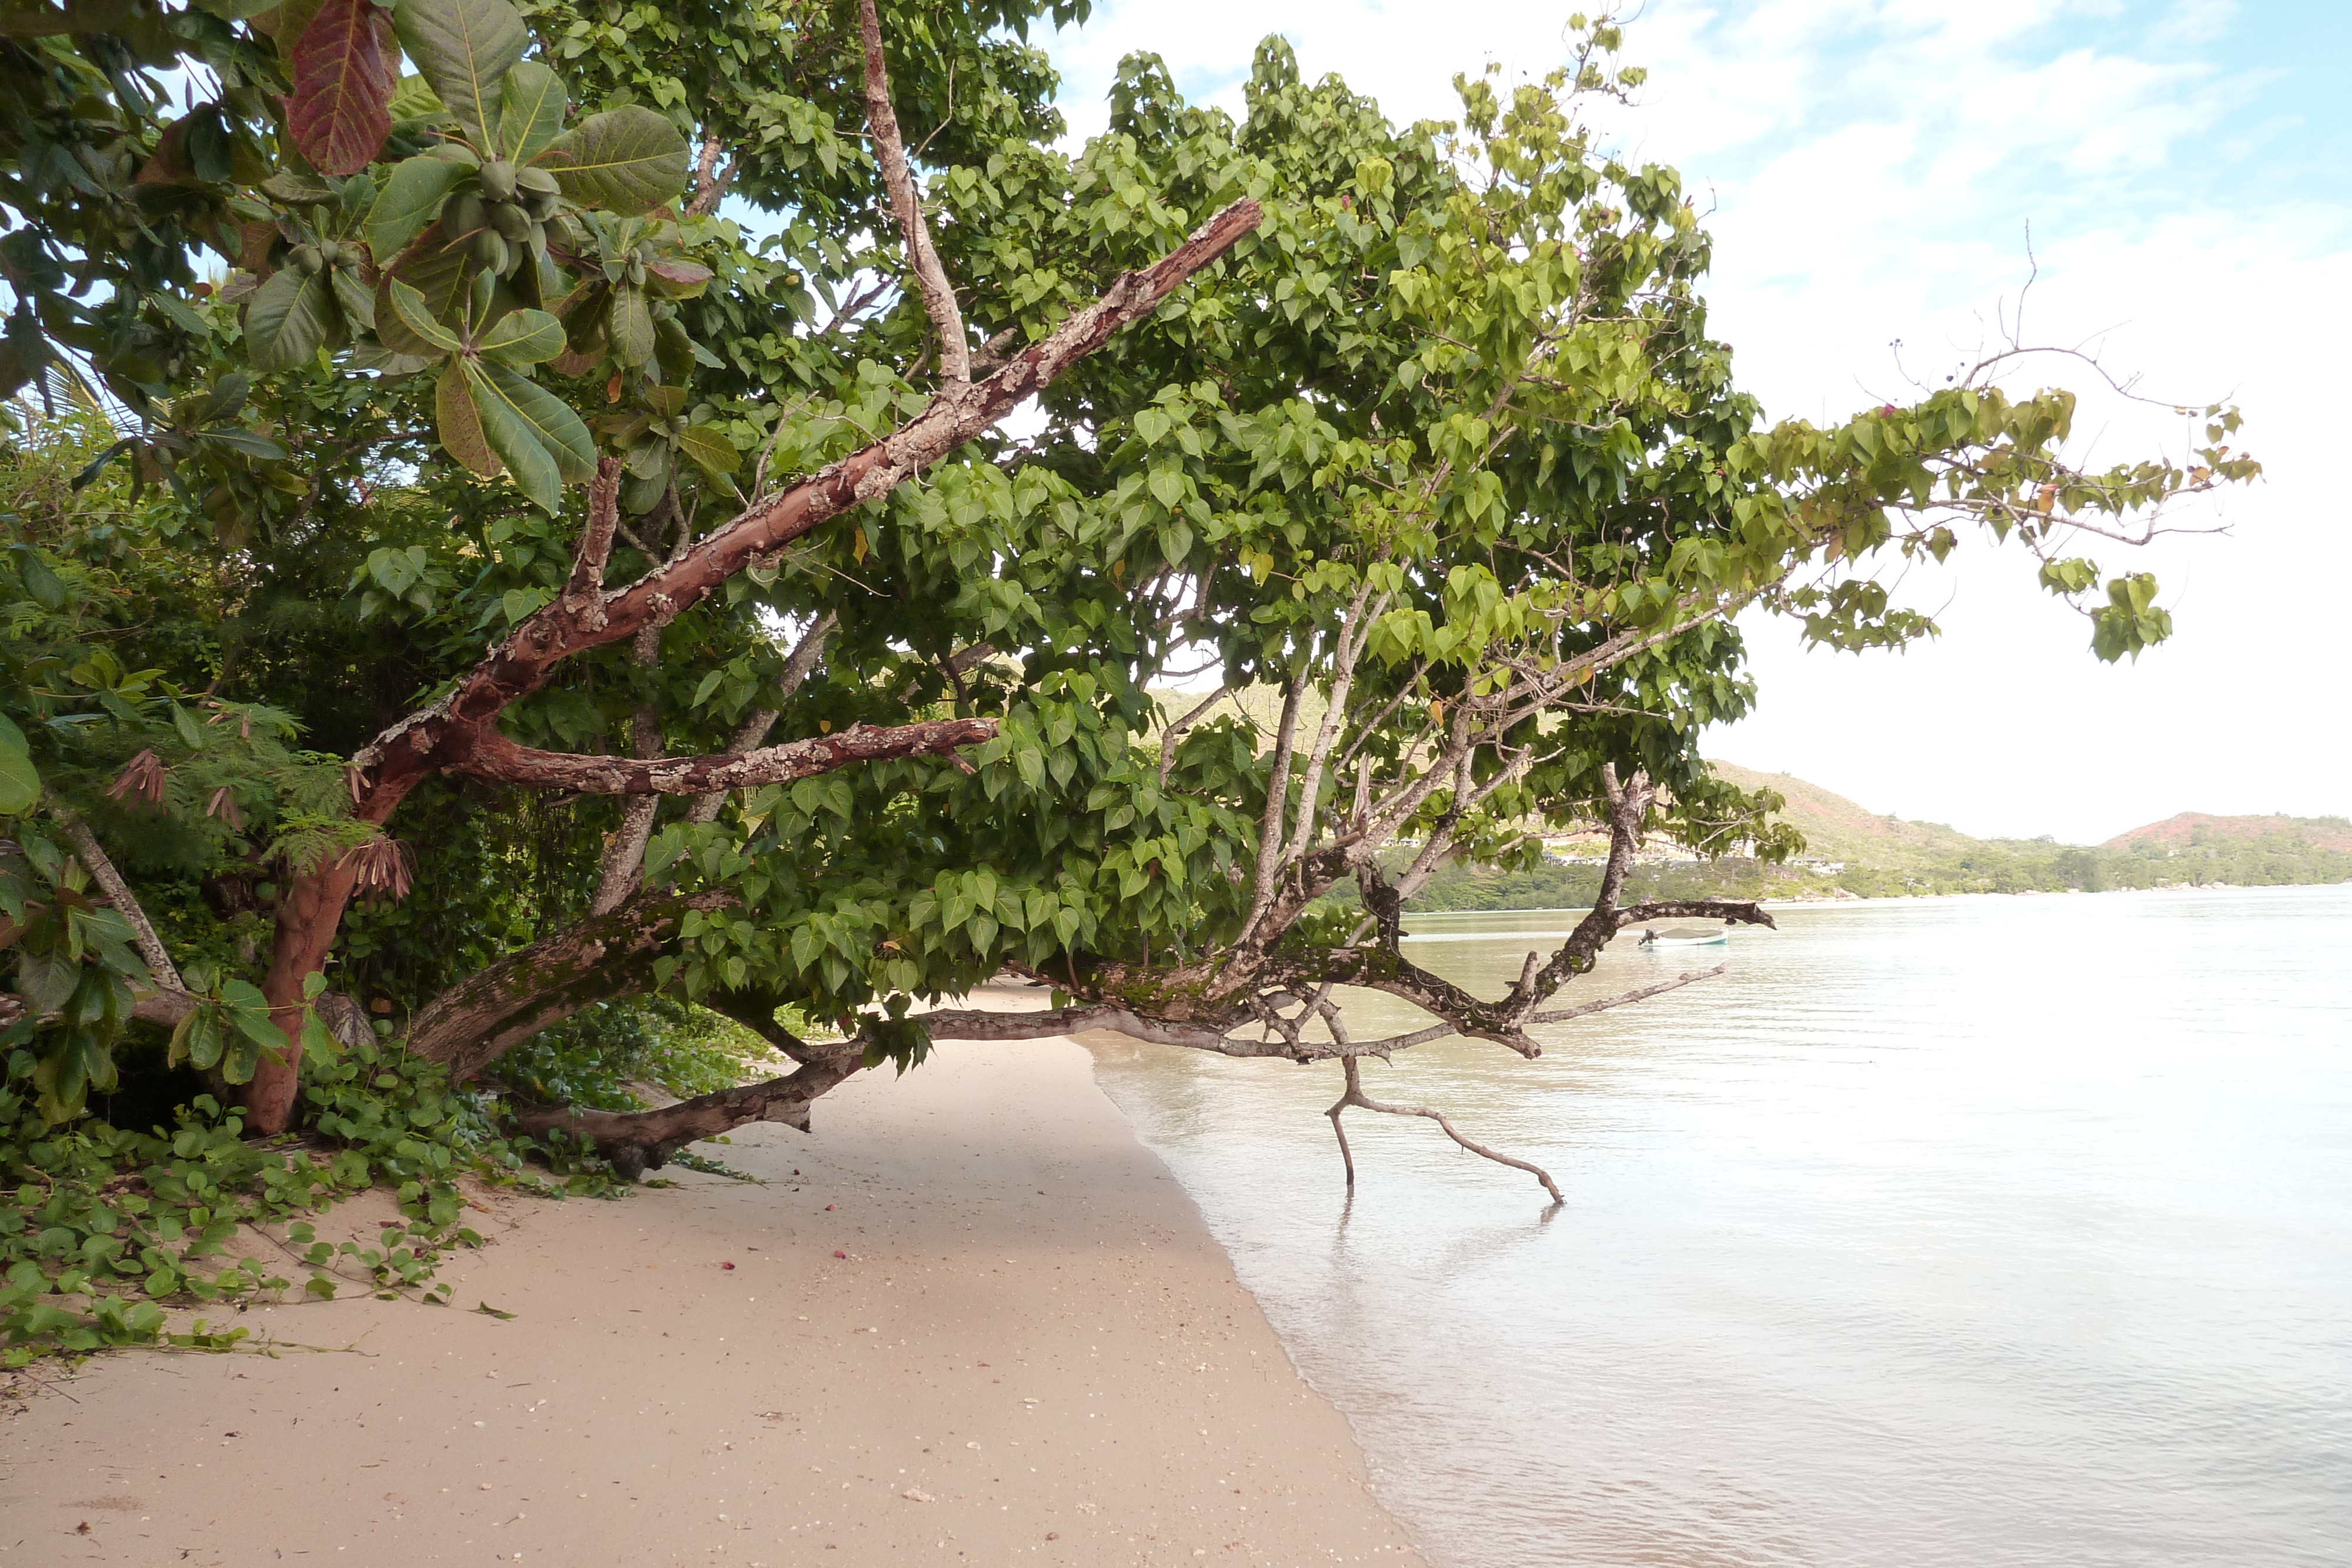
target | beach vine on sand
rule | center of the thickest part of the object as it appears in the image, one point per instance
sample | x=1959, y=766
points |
x=509, y=599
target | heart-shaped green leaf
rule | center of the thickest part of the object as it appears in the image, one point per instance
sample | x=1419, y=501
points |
x=464, y=48
x=412, y=195
x=20, y=781
x=531, y=112
x=289, y=318
x=626, y=160
x=522, y=338
x=345, y=68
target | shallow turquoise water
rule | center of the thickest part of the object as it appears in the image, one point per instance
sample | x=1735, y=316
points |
x=1966, y=1231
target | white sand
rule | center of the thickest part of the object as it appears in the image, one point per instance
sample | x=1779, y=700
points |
x=1032, y=1352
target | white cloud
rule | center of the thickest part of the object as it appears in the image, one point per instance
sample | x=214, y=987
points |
x=1875, y=165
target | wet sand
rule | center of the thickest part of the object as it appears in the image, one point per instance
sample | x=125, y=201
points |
x=982, y=1324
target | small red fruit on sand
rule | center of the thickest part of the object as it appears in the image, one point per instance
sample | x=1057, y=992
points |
x=828, y=1208
x=727, y=1265
x=840, y=1254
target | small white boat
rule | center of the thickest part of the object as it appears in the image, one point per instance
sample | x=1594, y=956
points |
x=1686, y=936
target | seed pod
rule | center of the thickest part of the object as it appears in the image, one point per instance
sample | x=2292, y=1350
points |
x=498, y=180
x=511, y=222
x=541, y=206
x=537, y=182
x=464, y=214
x=490, y=251
x=637, y=272
x=307, y=260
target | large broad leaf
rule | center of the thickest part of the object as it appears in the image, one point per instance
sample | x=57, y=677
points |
x=464, y=48
x=460, y=419
x=677, y=279
x=345, y=67
x=442, y=276
x=412, y=195
x=20, y=781
x=531, y=112
x=356, y=299
x=626, y=160
x=632, y=325
x=543, y=443
x=711, y=451
x=417, y=320
x=414, y=102
x=522, y=338
x=291, y=317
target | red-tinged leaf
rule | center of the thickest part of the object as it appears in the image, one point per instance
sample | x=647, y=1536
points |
x=460, y=420
x=345, y=68
x=680, y=279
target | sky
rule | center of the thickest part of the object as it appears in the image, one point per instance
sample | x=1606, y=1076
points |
x=1873, y=170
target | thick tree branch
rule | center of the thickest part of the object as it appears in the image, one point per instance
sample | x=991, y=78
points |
x=93, y=857
x=1175, y=732
x=423, y=743
x=638, y=1141
x=1639, y=993
x=583, y=592
x=752, y=732
x=477, y=1020
x=496, y=757
x=621, y=868
x=890, y=153
x=444, y=733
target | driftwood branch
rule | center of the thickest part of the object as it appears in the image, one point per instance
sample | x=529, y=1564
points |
x=1355, y=1095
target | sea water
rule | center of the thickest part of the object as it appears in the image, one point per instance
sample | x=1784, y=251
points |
x=1969, y=1231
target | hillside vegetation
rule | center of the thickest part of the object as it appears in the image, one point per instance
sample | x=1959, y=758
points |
x=1853, y=852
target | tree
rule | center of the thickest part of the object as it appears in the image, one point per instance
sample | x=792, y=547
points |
x=808, y=687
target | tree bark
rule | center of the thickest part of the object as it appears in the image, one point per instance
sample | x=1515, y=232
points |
x=639, y=1141
x=496, y=757
x=476, y=1022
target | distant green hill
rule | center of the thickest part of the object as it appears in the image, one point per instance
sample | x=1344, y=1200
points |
x=1853, y=853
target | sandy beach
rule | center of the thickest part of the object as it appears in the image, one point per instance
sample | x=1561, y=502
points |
x=971, y=1318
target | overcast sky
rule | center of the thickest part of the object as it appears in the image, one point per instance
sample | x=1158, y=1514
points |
x=2186, y=170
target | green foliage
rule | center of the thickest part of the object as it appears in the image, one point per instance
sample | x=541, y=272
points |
x=590, y=1058
x=111, y=1225
x=1454, y=406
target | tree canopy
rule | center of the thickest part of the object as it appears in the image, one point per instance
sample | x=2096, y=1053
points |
x=511, y=518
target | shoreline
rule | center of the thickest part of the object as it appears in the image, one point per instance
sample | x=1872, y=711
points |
x=985, y=1324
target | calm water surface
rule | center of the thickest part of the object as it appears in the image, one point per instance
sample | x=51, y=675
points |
x=1964, y=1231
